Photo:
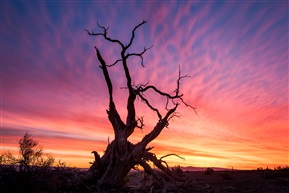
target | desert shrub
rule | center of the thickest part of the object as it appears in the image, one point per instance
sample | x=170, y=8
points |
x=32, y=171
x=61, y=165
x=260, y=169
x=177, y=170
x=281, y=171
x=280, y=168
x=7, y=158
x=31, y=154
x=209, y=171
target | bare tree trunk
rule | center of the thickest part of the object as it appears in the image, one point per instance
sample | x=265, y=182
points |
x=117, y=171
x=121, y=155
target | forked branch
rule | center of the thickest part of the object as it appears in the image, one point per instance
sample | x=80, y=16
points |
x=139, y=54
x=169, y=97
x=104, y=34
x=121, y=155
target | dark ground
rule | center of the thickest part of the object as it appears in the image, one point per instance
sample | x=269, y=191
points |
x=70, y=180
x=219, y=182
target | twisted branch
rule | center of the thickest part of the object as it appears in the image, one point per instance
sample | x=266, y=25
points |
x=104, y=34
x=159, y=163
x=133, y=34
x=139, y=54
x=172, y=154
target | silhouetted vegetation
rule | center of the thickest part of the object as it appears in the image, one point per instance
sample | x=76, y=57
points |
x=33, y=171
x=31, y=155
x=209, y=171
x=276, y=173
x=121, y=155
x=60, y=178
x=177, y=169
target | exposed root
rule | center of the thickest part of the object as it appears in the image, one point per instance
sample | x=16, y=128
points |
x=152, y=172
x=159, y=163
x=121, y=155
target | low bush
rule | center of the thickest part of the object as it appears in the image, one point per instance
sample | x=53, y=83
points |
x=209, y=171
x=177, y=170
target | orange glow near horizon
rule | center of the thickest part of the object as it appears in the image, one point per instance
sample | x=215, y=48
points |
x=238, y=68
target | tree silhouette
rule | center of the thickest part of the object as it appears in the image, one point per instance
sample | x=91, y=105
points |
x=121, y=155
x=31, y=154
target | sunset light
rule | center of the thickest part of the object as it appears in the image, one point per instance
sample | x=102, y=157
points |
x=234, y=52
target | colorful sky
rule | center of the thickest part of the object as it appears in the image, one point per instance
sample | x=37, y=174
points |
x=236, y=54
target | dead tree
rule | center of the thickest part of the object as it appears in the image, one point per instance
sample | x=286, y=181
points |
x=121, y=155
